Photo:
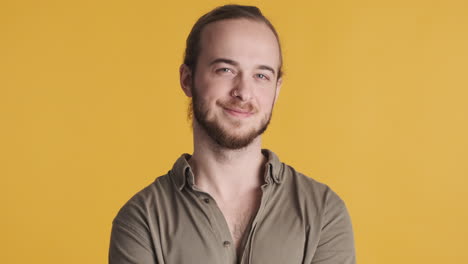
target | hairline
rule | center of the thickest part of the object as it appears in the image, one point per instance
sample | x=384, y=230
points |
x=250, y=18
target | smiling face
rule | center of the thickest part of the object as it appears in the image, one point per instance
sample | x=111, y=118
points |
x=235, y=84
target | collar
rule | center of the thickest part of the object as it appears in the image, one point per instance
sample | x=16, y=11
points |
x=182, y=173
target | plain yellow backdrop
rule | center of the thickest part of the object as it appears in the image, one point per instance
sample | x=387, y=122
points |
x=374, y=103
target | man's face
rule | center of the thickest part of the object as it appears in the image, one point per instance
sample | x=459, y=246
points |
x=235, y=84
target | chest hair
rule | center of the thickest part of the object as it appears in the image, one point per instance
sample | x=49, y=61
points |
x=238, y=216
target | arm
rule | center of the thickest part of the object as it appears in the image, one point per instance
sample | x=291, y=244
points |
x=336, y=243
x=128, y=246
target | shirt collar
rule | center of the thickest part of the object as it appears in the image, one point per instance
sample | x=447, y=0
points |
x=182, y=173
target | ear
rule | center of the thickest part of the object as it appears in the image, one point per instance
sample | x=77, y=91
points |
x=278, y=88
x=185, y=75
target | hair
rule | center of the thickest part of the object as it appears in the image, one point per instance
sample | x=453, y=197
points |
x=193, y=48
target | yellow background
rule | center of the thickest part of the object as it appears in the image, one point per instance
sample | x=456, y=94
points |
x=374, y=103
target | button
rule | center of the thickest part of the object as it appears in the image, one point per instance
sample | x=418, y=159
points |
x=226, y=243
x=206, y=200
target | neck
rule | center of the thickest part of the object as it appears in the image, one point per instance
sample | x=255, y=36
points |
x=226, y=173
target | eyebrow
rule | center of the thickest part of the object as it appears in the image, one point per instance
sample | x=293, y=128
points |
x=268, y=68
x=235, y=63
x=223, y=60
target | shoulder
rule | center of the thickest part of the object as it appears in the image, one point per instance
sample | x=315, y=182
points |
x=329, y=227
x=135, y=226
x=317, y=203
x=141, y=206
x=315, y=193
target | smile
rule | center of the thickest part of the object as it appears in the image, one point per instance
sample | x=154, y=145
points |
x=238, y=113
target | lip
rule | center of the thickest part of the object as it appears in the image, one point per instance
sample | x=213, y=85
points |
x=237, y=112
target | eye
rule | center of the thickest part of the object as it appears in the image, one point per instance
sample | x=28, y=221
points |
x=224, y=70
x=262, y=76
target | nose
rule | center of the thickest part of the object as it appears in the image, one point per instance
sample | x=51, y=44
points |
x=243, y=89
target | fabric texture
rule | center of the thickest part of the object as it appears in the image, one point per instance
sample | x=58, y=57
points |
x=172, y=222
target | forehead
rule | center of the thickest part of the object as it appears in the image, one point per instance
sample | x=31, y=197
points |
x=242, y=40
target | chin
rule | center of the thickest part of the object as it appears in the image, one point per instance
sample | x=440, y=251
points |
x=232, y=140
x=228, y=132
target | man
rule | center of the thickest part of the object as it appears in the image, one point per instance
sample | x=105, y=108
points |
x=231, y=201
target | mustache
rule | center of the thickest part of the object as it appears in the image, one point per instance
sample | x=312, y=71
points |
x=235, y=104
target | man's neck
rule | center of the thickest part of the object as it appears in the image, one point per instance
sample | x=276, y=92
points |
x=227, y=173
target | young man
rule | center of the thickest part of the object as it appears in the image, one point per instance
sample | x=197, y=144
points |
x=232, y=201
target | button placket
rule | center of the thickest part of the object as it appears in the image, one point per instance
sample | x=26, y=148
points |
x=223, y=229
x=247, y=252
x=216, y=219
x=226, y=244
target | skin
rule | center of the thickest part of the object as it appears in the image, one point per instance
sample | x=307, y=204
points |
x=236, y=87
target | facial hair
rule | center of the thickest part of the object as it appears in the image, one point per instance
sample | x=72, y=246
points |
x=220, y=134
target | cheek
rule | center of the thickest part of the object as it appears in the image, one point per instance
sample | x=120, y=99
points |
x=266, y=99
x=212, y=88
x=206, y=98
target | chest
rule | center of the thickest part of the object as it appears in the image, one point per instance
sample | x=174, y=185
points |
x=239, y=214
x=199, y=232
x=278, y=237
x=238, y=221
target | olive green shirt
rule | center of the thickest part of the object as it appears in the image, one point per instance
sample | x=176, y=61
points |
x=172, y=222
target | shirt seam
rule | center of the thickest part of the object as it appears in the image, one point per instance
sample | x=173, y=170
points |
x=134, y=230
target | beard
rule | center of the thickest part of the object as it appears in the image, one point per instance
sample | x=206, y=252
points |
x=221, y=135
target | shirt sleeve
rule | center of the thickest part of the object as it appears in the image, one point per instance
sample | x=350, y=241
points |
x=128, y=246
x=336, y=243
